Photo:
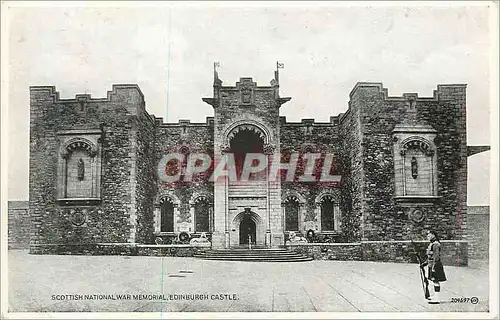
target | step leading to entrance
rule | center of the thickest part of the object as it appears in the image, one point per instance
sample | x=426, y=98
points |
x=263, y=255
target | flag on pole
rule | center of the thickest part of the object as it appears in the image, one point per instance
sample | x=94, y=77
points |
x=280, y=65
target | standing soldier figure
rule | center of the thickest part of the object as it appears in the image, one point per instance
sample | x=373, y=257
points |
x=435, y=266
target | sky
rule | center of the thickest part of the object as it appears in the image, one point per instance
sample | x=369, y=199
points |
x=169, y=52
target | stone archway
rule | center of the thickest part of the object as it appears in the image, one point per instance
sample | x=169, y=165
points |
x=248, y=223
x=246, y=141
x=246, y=185
x=247, y=124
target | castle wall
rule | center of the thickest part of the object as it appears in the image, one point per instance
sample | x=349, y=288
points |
x=351, y=162
x=384, y=216
x=478, y=231
x=184, y=138
x=382, y=194
x=311, y=137
x=107, y=219
x=19, y=225
x=145, y=179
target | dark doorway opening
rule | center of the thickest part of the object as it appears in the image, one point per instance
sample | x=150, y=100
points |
x=247, y=228
x=167, y=216
x=247, y=141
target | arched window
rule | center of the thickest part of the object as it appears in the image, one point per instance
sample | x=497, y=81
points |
x=291, y=214
x=202, y=210
x=329, y=213
x=167, y=215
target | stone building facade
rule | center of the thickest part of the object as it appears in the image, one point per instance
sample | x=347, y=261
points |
x=18, y=226
x=96, y=167
x=479, y=232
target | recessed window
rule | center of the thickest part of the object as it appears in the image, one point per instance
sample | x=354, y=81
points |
x=291, y=214
x=329, y=209
x=79, y=170
x=415, y=168
x=202, y=215
x=167, y=215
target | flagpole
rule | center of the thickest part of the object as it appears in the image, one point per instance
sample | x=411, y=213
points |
x=277, y=72
x=168, y=62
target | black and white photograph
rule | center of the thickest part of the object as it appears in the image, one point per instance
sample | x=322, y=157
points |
x=249, y=159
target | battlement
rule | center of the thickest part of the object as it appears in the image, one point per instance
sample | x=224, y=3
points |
x=334, y=120
x=443, y=92
x=184, y=123
x=129, y=96
x=117, y=93
x=246, y=82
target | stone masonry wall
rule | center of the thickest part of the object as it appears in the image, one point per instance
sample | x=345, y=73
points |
x=145, y=179
x=94, y=249
x=384, y=218
x=454, y=252
x=19, y=225
x=132, y=144
x=330, y=251
x=185, y=138
x=109, y=219
x=311, y=137
x=259, y=108
x=478, y=231
x=351, y=163
x=450, y=116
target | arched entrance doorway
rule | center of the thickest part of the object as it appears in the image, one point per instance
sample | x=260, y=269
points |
x=248, y=230
x=247, y=223
x=249, y=191
x=246, y=140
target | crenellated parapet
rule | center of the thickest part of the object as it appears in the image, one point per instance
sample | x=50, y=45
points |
x=129, y=96
x=309, y=122
x=245, y=93
x=117, y=93
x=209, y=122
x=443, y=92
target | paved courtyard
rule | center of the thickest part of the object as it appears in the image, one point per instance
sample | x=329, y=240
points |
x=224, y=286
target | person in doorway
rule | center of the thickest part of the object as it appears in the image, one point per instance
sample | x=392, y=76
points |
x=435, y=268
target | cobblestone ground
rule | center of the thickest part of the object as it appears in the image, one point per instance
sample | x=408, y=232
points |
x=256, y=286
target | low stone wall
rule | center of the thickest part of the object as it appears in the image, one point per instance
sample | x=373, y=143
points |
x=95, y=249
x=328, y=251
x=128, y=249
x=180, y=250
x=454, y=252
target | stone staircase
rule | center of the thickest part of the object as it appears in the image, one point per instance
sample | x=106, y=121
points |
x=257, y=254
